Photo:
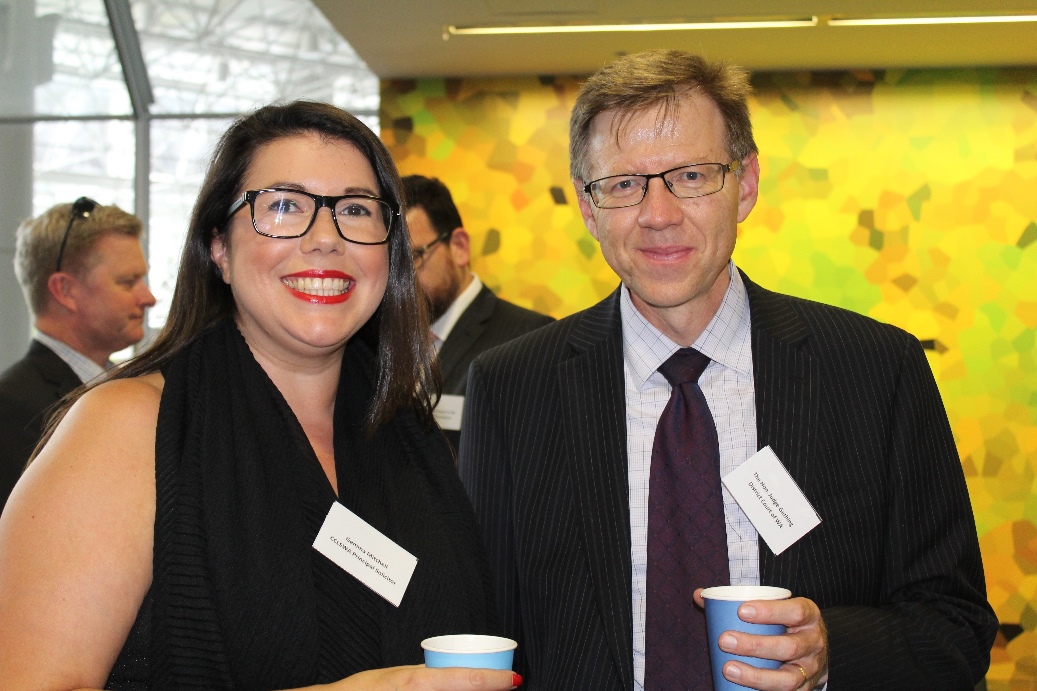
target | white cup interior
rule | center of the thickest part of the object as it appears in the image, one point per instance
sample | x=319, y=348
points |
x=468, y=643
x=740, y=593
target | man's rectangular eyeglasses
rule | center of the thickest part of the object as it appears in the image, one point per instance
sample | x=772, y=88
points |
x=284, y=213
x=81, y=208
x=685, y=182
x=417, y=254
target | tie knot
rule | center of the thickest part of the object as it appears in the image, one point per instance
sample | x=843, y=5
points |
x=686, y=365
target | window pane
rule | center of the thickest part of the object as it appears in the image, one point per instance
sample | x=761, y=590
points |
x=92, y=158
x=222, y=56
x=65, y=60
x=180, y=151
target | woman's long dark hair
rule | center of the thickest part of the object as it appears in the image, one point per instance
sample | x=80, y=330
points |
x=201, y=299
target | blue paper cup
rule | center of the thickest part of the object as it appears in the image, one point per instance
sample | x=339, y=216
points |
x=469, y=650
x=722, y=604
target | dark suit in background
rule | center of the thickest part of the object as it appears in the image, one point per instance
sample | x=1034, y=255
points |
x=29, y=390
x=489, y=321
x=851, y=409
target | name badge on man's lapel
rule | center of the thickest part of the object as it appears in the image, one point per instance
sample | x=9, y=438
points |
x=366, y=554
x=771, y=500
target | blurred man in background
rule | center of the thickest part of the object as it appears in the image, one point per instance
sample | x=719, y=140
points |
x=84, y=277
x=467, y=318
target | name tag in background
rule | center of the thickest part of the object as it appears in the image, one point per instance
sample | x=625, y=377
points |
x=366, y=554
x=448, y=412
x=771, y=500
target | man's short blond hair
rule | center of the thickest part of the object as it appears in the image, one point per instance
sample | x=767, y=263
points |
x=635, y=83
x=38, y=241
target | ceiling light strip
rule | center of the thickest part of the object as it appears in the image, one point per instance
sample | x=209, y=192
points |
x=597, y=28
x=915, y=21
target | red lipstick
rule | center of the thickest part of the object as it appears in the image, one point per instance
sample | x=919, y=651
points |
x=320, y=286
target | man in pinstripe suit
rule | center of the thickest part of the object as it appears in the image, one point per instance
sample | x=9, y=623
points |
x=888, y=591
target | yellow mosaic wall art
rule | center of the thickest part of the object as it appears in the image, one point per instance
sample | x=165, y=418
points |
x=908, y=196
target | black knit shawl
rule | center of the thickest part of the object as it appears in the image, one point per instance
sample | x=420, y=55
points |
x=240, y=598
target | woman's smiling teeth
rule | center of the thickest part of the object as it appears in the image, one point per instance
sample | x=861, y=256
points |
x=321, y=287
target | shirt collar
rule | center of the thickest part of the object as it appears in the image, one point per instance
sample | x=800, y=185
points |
x=84, y=368
x=442, y=327
x=725, y=340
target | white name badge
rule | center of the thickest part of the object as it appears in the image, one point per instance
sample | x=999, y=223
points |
x=366, y=554
x=771, y=500
x=448, y=412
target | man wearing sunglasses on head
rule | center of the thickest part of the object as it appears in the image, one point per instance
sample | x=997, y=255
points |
x=467, y=318
x=84, y=277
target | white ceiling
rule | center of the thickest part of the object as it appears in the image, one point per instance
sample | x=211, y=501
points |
x=404, y=38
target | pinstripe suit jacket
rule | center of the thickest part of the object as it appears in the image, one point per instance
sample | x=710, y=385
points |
x=851, y=408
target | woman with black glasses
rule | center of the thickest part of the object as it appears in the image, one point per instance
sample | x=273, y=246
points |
x=260, y=500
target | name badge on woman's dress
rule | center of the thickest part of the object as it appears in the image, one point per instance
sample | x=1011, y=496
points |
x=366, y=554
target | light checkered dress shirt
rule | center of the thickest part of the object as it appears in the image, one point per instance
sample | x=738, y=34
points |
x=727, y=385
x=85, y=368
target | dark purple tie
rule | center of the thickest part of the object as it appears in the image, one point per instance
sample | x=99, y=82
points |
x=687, y=537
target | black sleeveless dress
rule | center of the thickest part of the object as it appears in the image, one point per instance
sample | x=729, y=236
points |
x=239, y=598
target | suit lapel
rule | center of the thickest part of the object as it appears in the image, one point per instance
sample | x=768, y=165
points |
x=53, y=369
x=469, y=327
x=787, y=404
x=594, y=420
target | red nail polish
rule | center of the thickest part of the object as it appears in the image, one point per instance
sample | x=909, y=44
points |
x=516, y=679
